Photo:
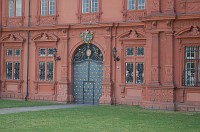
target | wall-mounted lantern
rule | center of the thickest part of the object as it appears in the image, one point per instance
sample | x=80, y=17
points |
x=114, y=51
x=56, y=58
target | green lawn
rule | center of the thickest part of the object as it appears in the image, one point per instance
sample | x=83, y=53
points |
x=100, y=119
x=21, y=103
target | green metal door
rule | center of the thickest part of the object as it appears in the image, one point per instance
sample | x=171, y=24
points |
x=87, y=70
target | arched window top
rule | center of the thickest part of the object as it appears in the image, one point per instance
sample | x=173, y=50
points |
x=88, y=51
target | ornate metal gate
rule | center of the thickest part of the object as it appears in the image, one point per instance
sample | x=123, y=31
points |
x=87, y=74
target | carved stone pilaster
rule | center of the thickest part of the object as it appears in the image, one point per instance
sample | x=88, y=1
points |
x=106, y=86
x=155, y=69
x=106, y=97
x=64, y=56
x=19, y=87
x=169, y=6
x=169, y=70
x=3, y=86
x=4, y=22
x=106, y=93
x=168, y=79
x=64, y=73
x=54, y=88
x=36, y=87
x=64, y=93
x=155, y=75
x=155, y=6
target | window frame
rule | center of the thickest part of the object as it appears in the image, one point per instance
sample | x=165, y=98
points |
x=191, y=74
x=134, y=59
x=90, y=6
x=15, y=9
x=136, y=5
x=47, y=11
x=45, y=59
x=13, y=59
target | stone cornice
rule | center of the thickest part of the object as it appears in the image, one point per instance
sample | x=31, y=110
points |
x=73, y=26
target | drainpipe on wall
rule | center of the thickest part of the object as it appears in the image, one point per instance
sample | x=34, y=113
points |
x=0, y=34
x=27, y=73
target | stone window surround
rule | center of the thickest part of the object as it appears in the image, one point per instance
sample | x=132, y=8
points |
x=46, y=59
x=132, y=15
x=12, y=59
x=14, y=20
x=134, y=59
x=90, y=17
x=47, y=19
x=15, y=14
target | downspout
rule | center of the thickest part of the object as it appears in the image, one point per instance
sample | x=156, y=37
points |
x=28, y=48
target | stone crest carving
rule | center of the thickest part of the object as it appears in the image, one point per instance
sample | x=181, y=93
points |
x=87, y=36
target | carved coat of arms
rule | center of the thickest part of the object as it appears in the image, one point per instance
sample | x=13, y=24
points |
x=87, y=37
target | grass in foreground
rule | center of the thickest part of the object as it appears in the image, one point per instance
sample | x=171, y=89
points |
x=100, y=119
x=21, y=103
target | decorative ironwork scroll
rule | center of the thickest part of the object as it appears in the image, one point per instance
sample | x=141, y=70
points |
x=88, y=51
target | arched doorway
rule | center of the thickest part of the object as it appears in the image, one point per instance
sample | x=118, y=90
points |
x=87, y=74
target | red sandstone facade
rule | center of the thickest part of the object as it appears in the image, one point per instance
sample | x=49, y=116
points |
x=164, y=29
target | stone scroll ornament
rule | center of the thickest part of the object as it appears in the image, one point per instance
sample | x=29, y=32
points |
x=87, y=36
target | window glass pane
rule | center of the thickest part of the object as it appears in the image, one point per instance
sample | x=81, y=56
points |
x=42, y=71
x=9, y=52
x=199, y=52
x=94, y=7
x=51, y=7
x=18, y=7
x=129, y=51
x=85, y=4
x=9, y=70
x=129, y=72
x=131, y=5
x=140, y=51
x=42, y=52
x=139, y=73
x=190, y=52
x=43, y=7
x=16, y=70
x=141, y=4
x=11, y=8
x=49, y=71
x=50, y=51
x=17, y=52
x=189, y=74
x=199, y=74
